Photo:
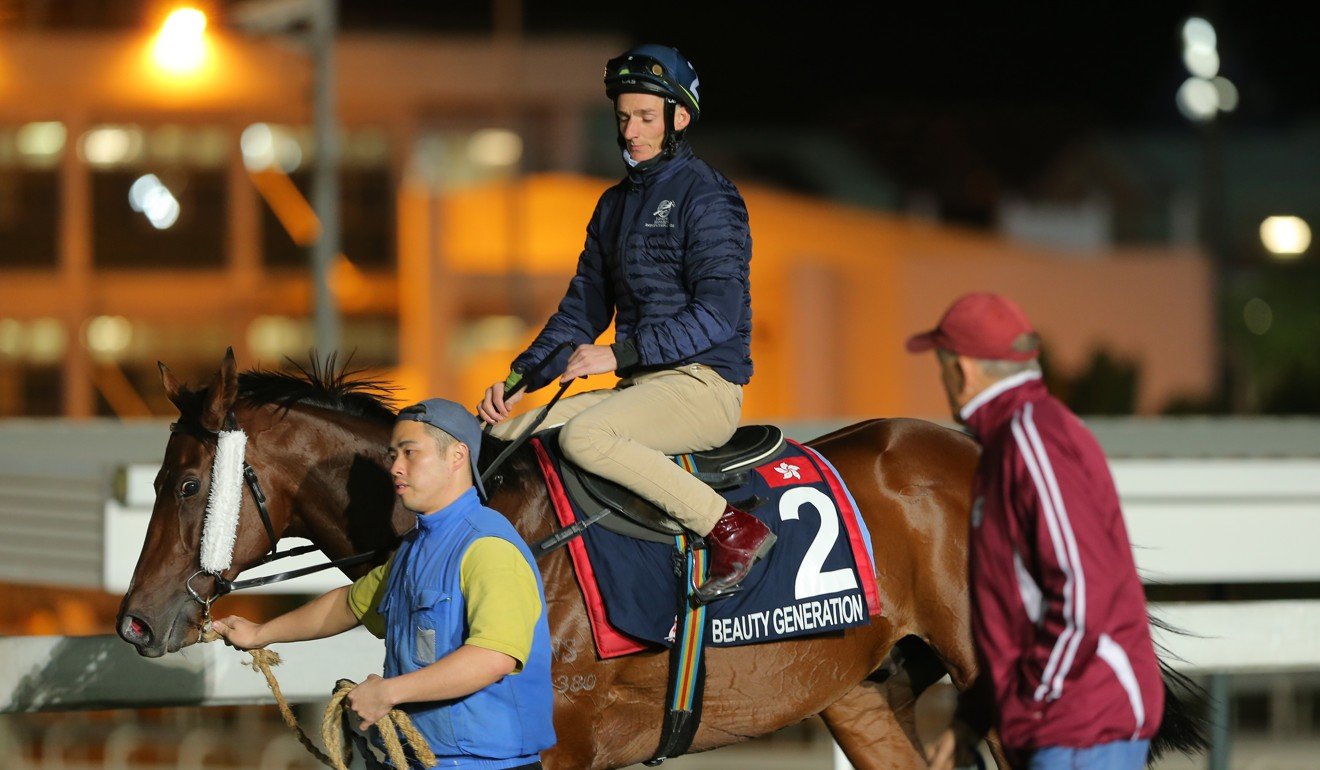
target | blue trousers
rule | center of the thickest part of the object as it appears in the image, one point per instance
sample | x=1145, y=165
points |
x=1119, y=755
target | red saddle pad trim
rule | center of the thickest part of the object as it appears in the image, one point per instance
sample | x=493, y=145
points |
x=610, y=642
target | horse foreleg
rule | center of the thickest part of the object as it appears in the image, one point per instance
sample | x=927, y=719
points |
x=874, y=725
x=962, y=670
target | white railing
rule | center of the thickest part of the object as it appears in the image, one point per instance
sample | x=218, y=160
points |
x=58, y=673
x=1229, y=522
x=1191, y=521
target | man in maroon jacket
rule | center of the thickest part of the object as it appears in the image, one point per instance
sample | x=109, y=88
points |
x=1058, y=613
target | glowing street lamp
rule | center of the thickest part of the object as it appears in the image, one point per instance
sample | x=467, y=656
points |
x=1285, y=237
x=180, y=46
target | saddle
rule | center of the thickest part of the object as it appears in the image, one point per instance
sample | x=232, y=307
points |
x=621, y=511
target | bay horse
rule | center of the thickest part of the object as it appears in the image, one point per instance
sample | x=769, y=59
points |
x=317, y=441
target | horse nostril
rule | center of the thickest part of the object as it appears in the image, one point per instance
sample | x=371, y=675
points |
x=136, y=630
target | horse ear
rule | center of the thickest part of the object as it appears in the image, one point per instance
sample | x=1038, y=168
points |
x=172, y=386
x=222, y=394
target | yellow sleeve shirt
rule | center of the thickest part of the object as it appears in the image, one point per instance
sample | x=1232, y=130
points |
x=499, y=593
x=365, y=594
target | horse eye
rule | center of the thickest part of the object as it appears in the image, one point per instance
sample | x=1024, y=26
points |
x=189, y=487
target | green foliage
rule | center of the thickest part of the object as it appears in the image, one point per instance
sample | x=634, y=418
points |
x=1277, y=365
x=1107, y=386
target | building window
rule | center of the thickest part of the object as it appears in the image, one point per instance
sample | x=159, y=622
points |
x=30, y=155
x=366, y=194
x=30, y=354
x=159, y=196
x=372, y=342
x=455, y=158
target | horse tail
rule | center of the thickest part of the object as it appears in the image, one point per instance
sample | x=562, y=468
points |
x=1184, y=725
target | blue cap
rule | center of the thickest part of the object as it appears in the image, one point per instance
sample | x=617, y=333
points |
x=454, y=420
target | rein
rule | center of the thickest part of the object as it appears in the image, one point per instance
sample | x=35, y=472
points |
x=517, y=381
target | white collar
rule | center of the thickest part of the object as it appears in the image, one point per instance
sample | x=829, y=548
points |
x=1004, y=385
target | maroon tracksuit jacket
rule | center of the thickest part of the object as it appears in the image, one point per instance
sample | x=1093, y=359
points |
x=1059, y=616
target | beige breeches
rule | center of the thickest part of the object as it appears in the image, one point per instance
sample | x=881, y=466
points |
x=624, y=433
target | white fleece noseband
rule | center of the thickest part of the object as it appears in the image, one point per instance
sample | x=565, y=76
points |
x=220, y=529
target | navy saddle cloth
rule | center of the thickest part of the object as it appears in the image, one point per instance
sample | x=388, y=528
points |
x=818, y=578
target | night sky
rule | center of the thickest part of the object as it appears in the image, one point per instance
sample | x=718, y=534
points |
x=860, y=62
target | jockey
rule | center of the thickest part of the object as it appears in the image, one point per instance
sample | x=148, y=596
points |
x=667, y=258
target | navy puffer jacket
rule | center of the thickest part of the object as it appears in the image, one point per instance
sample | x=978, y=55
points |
x=669, y=250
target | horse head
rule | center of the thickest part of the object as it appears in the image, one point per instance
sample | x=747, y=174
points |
x=158, y=614
x=316, y=444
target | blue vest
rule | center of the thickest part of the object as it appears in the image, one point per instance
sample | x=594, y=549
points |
x=504, y=725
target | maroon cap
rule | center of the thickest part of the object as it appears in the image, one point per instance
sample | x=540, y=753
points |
x=981, y=325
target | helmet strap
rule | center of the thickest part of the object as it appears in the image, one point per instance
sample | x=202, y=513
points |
x=672, y=137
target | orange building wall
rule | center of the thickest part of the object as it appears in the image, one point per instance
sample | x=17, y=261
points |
x=1149, y=306
x=836, y=291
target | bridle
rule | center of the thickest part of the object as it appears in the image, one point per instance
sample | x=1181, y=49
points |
x=222, y=584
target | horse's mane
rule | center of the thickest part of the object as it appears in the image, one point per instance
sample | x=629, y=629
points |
x=320, y=383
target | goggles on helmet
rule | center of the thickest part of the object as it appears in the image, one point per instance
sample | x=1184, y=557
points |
x=638, y=72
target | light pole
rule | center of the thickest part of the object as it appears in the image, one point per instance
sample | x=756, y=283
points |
x=1201, y=98
x=315, y=23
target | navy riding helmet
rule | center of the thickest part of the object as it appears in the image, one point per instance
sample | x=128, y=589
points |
x=664, y=72
x=655, y=69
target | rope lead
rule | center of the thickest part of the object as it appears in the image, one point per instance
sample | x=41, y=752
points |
x=391, y=726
